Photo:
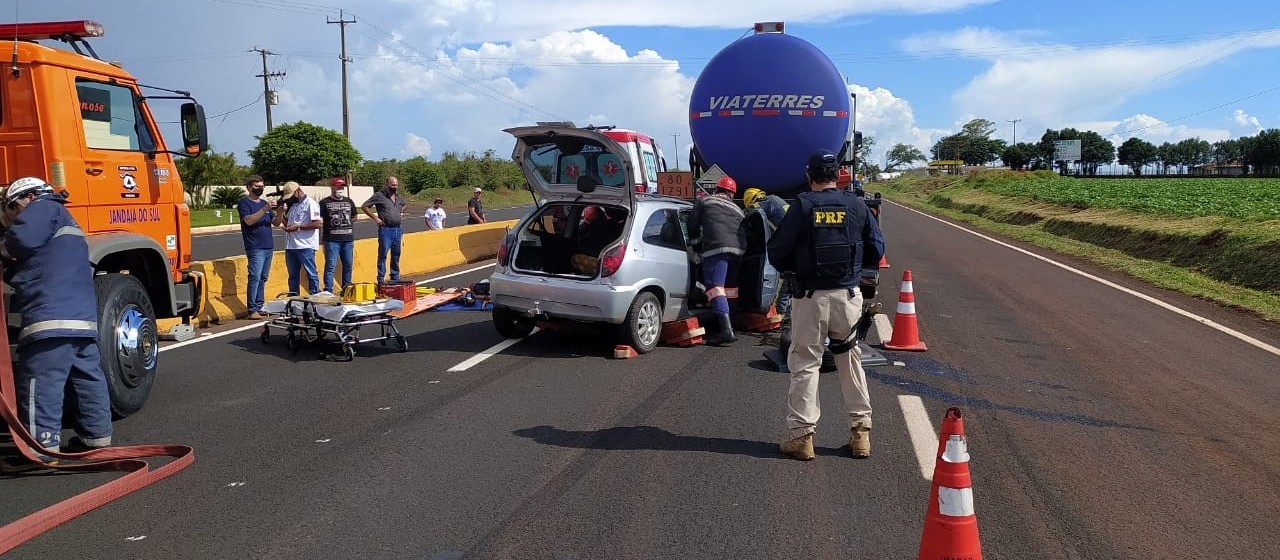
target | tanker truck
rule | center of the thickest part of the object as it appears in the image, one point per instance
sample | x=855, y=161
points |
x=763, y=104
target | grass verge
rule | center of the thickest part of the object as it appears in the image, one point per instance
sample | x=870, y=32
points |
x=1231, y=261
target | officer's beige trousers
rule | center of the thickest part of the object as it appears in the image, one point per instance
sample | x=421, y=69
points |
x=828, y=313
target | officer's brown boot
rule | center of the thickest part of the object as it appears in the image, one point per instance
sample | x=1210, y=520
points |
x=860, y=439
x=800, y=448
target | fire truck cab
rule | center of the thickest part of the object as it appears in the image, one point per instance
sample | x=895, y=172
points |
x=86, y=127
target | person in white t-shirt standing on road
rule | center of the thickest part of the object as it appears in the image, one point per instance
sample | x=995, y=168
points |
x=300, y=216
x=435, y=215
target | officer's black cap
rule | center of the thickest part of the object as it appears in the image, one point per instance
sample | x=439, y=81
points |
x=823, y=161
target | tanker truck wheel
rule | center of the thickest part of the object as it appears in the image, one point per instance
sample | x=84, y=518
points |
x=128, y=341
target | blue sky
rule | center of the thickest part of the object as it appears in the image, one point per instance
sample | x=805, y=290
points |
x=447, y=75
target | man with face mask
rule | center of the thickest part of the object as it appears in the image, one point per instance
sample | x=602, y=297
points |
x=389, y=208
x=339, y=214
x=255, y=228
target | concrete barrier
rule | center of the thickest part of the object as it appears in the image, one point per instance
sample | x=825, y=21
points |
x=421, y=253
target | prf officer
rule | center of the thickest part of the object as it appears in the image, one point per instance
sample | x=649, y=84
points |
x=824, y=239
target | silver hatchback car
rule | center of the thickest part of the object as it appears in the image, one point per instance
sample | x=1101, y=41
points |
x=594, y=250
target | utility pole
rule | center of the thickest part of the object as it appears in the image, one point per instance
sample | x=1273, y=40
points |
x=1015, y=129
x=268, y=96
x=675, y=148
x=342, y=27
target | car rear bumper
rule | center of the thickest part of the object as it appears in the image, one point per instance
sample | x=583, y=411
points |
x=560, y=298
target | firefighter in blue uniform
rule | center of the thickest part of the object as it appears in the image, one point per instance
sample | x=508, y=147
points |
x=825, y=239
x=47, y=263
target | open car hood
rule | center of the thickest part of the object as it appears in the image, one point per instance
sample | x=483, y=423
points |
x=556, y=161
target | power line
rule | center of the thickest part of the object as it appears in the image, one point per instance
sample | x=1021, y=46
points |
x=1197, y=113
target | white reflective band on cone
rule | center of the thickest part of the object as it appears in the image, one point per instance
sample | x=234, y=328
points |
x=906, y=287
x=907, y=307
x=957, y=450
x=955, y=502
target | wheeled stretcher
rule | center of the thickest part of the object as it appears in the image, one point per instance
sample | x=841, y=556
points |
x=309, y=319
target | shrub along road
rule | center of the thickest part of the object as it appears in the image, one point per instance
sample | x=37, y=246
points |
x=1100, y=426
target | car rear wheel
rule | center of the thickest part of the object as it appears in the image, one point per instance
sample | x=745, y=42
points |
x=643, y=324
x=511, y=324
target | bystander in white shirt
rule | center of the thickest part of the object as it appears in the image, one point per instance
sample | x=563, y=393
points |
x=303, y=212
x=435, y=217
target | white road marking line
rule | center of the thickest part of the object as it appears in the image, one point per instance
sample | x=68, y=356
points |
x=460, y=273
x=204, y=337
x=135, y=539
x=923, y=439
x=491, y=352
x=325, y=440
x=235, y=484
x=1149, y=299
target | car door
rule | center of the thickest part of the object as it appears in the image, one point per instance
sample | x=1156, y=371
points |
x=757, y=279
x=664, y=238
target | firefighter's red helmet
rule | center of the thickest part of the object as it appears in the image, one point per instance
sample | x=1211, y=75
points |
x=727, y=183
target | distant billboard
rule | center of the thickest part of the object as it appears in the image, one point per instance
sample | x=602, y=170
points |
x=1066, y=150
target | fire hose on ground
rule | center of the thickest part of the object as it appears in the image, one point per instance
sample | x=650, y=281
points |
x=127, y=459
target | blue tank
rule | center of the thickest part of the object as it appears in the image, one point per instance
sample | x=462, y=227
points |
x=763, y=104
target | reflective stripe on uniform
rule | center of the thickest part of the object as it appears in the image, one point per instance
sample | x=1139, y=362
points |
x=56, y=324
x=731, y=293
x=69, y=230
x=715, y=292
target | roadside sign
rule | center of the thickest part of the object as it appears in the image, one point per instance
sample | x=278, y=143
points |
x=1066, y=150
x=708, y=180
x=676, y=183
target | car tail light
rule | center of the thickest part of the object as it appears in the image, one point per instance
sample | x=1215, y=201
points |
x=504, y=251
x=612, y=260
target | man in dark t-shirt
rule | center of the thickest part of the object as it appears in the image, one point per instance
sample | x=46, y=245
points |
x=386, y=209
x=255, y=228
x=338, y=213
x=475, y=208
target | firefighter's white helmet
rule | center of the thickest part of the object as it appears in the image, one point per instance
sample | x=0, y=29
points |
x=26, y=186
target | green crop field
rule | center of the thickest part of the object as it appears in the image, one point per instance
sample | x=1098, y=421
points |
x=1237, y=198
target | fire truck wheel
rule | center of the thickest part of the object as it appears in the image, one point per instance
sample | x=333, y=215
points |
x=128, y=341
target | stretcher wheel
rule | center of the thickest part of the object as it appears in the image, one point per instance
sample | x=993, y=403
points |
x=265, y=337
x=348, y=352
x=401, y=343
x=294, y=342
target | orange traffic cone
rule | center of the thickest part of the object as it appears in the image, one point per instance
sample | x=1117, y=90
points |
x=884, y=261
x=906, y=336
x=950, y=526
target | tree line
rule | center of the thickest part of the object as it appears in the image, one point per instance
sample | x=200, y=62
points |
x=313, y=155
x=1256, y=155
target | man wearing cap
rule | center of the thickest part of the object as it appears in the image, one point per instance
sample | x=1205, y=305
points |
x=825, y=239
x=47, y=263
x=300, y=217
x=475, y=208
x=435, y=215
x=713, y=227
x=386, y=208
x=338, y=213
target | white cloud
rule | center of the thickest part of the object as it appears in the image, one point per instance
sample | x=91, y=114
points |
x=483, y=20
x=415, y=145
x=890, y=120
x=1244, y=123
x=1151, y=129
x=1048, y=83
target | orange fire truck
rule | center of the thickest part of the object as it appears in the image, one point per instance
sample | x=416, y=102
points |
x=86, y=126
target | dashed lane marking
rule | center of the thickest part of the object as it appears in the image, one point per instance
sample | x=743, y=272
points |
x=921, y=431
x=491, y=352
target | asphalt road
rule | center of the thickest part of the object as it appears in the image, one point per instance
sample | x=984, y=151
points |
x=1100, y=426
x=211, y=246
